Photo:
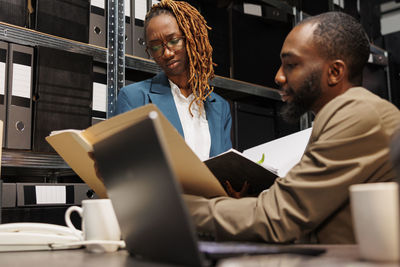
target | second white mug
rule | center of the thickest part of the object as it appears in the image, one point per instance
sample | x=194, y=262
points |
x=99, y=223
x=375, y=210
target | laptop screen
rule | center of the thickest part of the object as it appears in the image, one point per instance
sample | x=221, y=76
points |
x=145, y=195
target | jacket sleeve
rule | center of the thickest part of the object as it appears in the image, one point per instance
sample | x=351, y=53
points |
x=346, y=149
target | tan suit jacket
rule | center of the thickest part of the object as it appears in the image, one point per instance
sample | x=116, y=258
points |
x=349, y=144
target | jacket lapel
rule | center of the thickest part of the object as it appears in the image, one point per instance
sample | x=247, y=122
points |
x=160, y=95
x=213, y=112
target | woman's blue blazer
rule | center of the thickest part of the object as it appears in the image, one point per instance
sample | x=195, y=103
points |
x=158, y=91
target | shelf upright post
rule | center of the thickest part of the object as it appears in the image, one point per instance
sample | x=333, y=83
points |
x=115, y=53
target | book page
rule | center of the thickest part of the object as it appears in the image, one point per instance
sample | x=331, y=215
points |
x=281, y=154
x=66, y=130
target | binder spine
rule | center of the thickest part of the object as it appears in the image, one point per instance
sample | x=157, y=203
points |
x=19, y=104
x=3, y=86
x=98, y=23
x=128, y=27
x=139, y=9
x=99, y=96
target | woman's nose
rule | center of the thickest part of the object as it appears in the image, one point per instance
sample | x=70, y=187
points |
x=168, y=52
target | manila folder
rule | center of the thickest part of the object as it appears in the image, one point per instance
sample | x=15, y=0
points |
x=74, y=147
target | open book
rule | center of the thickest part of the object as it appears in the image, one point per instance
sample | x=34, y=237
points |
x=74, y=147
x=260, y=165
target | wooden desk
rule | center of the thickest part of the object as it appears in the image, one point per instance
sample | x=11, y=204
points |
x=336, y=255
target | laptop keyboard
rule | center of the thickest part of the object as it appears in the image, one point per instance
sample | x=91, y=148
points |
x=218, y=250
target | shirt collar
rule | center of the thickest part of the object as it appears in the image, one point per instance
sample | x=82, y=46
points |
x=177, y=92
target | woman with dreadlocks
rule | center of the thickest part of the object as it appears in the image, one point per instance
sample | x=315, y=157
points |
x=177, y=39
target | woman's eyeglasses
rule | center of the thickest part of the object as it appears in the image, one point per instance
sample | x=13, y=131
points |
x=156, y=49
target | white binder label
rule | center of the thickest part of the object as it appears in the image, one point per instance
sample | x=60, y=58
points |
x=153, y=2
x=252, y=9
x=99, y=97
x=21, y=80
x=98, y=3
x=127, y=8
x=51, y=194
x=140, y=9
x=2, y=77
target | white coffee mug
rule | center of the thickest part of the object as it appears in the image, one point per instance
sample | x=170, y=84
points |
x=99, y=224
x=375, y=211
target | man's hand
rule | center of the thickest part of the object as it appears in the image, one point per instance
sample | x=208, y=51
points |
x=233, y=193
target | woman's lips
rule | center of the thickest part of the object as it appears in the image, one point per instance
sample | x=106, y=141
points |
x=172, y=65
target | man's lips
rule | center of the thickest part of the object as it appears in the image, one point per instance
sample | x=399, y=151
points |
x=284, y=95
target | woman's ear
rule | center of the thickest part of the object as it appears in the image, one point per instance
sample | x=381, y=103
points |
x=336, y=72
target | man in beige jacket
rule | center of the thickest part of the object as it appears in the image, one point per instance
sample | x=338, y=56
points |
x=321, y=71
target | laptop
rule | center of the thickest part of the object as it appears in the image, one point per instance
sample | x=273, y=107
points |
x=154, y=221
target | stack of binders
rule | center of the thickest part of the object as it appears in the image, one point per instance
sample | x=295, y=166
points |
x=64, y=18
x=135, y=12
x=63, y=94
x=14, y=12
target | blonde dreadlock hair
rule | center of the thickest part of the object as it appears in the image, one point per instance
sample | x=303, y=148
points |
x=198, y=47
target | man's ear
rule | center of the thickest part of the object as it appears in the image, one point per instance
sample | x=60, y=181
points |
x=336, y=72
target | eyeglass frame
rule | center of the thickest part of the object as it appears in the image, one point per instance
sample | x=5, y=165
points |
x=164, y=45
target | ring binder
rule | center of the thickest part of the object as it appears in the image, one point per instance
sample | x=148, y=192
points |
x=19, y=104
x=97, y=23
x=3, y=84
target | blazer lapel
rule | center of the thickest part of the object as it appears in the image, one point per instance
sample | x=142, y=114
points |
x=213, y=113
x=160, y=95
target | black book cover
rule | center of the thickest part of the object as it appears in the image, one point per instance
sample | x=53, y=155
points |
x=232, y=166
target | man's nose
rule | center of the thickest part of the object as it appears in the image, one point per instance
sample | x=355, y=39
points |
x=280, y=78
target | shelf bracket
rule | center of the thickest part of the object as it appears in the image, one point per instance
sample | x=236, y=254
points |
x=115, y=53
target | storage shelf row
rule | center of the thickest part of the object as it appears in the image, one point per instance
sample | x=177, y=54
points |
x=24, y=36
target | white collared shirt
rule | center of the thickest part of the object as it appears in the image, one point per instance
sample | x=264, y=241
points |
x=195, y=129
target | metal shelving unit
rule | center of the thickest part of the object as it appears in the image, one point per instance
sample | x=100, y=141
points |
x=20, y=35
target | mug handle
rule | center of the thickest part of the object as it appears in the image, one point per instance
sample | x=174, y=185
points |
x=67, y=216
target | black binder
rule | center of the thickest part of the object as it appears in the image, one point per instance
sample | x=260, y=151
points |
x=14, y=12
x=257, y=42
x=63, y=94
x=218, y=20
x=64, y=18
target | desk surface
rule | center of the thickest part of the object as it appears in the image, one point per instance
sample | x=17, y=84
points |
x=336, y=255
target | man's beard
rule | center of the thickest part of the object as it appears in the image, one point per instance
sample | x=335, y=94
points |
x=303, y=99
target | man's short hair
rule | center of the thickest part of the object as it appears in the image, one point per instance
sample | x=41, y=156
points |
x=340, y=36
